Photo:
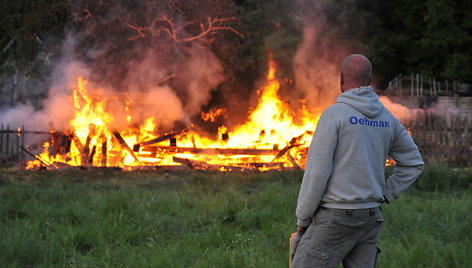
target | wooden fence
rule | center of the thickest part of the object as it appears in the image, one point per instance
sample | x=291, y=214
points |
x=12, y=140
x=442, y=136
x=419, y=85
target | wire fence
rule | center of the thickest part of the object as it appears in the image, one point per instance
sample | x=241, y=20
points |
x=442, y=137
x=420, y=85
x=13, y=141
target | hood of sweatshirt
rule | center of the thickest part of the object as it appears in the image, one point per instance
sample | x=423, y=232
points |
x=362, y=99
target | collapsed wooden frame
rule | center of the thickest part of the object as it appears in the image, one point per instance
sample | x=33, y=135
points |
x=61, y=143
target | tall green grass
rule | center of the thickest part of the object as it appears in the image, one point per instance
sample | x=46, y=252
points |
x=203, y=219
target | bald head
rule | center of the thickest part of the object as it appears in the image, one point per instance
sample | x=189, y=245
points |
x=356, y=71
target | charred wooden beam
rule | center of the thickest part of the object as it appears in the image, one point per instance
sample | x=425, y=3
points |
x=92, y=154
x=223, y=151
x=293, y=161
x=268, y=164
x=225, y=136
x=192, y=164
x=153, y=141
x=166, y=78
x=62, y=166
x=294, y=142
x=60, y=141
x=65, y=166
x=290, y=145
x=68, y=143
x=42, y=161
x=124, y=145
x=77, y=142
x=104, y=153
x=86, y=151
x=150, y=166
x=167, y=136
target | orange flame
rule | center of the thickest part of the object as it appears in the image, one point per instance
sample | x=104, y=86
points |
x=213, y=114
x=270, y=138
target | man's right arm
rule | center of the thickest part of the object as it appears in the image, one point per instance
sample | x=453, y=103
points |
x=409, y=164
x=318, y=170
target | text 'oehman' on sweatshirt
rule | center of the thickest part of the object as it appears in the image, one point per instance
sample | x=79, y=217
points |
x=346, y=158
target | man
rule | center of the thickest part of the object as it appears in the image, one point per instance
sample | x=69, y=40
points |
x=343, y=186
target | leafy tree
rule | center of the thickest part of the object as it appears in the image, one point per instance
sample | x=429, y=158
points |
x=23, y=26
x=432, y=38
x=405, y=36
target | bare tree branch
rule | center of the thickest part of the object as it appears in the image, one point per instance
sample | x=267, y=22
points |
x=164, y=25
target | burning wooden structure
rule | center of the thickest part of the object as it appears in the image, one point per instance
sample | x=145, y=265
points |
x=271, y=138
x=147, y=155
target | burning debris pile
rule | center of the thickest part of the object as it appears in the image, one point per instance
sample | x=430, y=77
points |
x=269, y=139
x=131, y=82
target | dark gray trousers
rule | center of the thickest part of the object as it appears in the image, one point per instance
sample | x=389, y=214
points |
x=340, y=235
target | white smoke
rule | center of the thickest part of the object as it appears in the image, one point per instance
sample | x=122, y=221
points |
x=316, y=77
x=403, y=113
x=185, y=88
x=172, y=92
x=201, y=74
x=57, y=107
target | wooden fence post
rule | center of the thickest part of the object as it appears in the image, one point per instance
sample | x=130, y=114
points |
x=419, y=90
x=8, y=140
x=23, y=159
x=17, y=142
x=1, y=140
x=447, y=89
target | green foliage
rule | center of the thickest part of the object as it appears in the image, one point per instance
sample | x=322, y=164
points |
x=427, y=229
x=201, y=219
x=406, y=36
x=443, y=178
x=422, y=36
x=23, y=26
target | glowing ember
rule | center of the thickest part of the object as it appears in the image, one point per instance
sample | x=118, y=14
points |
x=269, y=139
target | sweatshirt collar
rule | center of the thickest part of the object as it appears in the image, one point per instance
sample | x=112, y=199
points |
x=362, y=99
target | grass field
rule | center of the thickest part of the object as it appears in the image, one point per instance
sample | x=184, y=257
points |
x=201, y=219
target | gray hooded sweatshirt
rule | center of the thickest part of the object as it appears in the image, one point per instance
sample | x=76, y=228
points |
x=346, y=158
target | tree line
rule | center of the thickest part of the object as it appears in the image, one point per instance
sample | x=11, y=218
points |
x=431, y=37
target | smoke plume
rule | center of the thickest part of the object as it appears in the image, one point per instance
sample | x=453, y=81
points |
x=316, y=62
x=57, y=107
x=140, y=78
x=400, y=111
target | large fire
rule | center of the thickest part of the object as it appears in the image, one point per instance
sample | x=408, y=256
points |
x=269, y=139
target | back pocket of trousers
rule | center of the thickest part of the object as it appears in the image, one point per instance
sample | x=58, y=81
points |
x=341, y=229
x=353, y=223
x=316, y=258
